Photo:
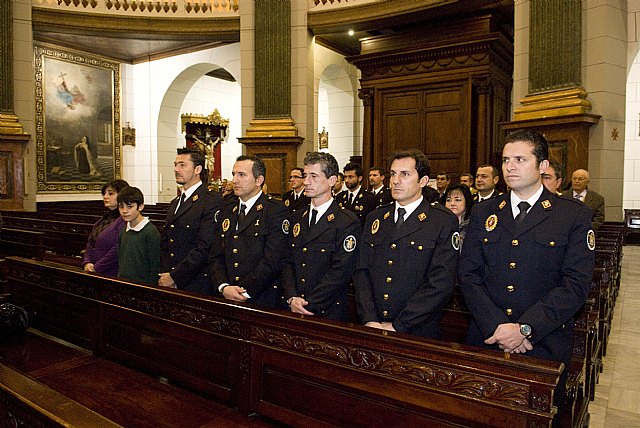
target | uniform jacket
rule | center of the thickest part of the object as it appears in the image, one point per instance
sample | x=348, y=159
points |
x=495, y=194
x=407, y=275
x=363, y=203
x=252, y=256
x=537, y=274
x=595, y=201
x=186, y=240
x=323, y=260
x=295, y=204
x=383, y=197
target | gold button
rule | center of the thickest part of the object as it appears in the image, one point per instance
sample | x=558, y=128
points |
x=393, y=246
x=413, y=242
x=235, y=264
x=235, y=251
x=323, y=250
x=515, y=242
x=385, y=313
x=171, y=240
x=512, y=265
x=255, y=234
x=304, y=250
x=420, y=247
x=385, y=296
x=509, y=311
x=510, y=288
x=389, y=280
x=237, y=278
x=302, y=280
x=302, y=295
x=390, y=262
x=235, y=236
x=303, y=264
x=293, y=245
x=172, y=254
x=552, y=244
x=172, y=226
x=485, y=240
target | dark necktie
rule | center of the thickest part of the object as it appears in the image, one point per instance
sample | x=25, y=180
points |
x=350, y=199
x=400, y=221
x=523, y=207
x=181, y=202
x=241, y=213
x=314, y=215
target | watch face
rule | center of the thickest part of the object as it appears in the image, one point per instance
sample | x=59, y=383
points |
x=525, y=330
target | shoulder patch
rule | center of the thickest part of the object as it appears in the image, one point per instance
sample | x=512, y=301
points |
x=225, y=224
x=285, y=226
x=591, y=240
x=375, y=226
x=491, y=222
x=296, y=229
x=349, y=243
x=455, y=241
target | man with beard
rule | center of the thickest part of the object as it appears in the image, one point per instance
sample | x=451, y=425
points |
x=377, y=187
x=186, y=237
x=355, y=198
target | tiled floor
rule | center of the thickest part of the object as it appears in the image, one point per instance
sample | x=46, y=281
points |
x=617, y=402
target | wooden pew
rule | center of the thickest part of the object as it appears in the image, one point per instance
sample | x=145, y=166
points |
x=293, y=369
x=20, y=242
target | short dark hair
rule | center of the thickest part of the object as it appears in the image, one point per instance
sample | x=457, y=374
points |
x=340, y=176
x=467, y=174
x=495, y=172
x=328, y=164
x=195, y=155
x=130, y=195
x=297, y=168
x=116, y=185
x=380, y=170
x=468, y=197
x=352, y=166
x=258, y=168
x=446, y=174
x=422, y=163
x=537, y=140
x=556, y=167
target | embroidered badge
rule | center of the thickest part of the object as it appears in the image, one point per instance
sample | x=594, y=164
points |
x=195, y=198
x=422, y=216
x=259, y=207
x=546, y=204
x=591, y=240
x=455, y=241
x=225, y=224
x=502, y=204
x=491, y=222
x=296, y=229
x=360, y=196
x=285, y=226
x=386, y=215
x=349, y=243
x=331, y=217
x=375, y=226
x=286, y=203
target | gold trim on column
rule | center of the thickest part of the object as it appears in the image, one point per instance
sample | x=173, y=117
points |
x=553, y=104
x=9, y=124
x=272, y=128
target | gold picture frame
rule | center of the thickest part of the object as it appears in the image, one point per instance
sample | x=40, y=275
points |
x=78, y=139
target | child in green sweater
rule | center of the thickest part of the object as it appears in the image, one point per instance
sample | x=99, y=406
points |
x=139, y=241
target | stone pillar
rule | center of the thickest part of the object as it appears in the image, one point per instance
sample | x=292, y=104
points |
x=9, y=123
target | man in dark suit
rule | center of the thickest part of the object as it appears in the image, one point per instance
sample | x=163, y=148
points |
x=443, y=179
x=295, y=198
x=579, y=190
x=355, y=198
x=186, y=238
x=487, y=177
x=552, y=178
x=324, y=242
x=250, y=245
x=527, y=261
x=377, y=188
x=408, y=257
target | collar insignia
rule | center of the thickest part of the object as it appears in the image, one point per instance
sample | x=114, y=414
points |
x=502, y=204
x=386, y=215
x=546, y=204
x=195, y=198
x=422, y=216
x=259, y=207
x=375, y=226
x=331, y=217
x=491, y=222
x=235, y=208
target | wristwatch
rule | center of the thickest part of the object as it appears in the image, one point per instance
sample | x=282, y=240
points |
x=526, y=330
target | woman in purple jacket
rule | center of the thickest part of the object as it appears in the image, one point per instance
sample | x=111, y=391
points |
x=101, y=254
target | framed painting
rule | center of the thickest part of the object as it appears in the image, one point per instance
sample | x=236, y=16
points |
x=77, y=121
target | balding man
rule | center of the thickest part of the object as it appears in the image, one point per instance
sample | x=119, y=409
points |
x=579, y=190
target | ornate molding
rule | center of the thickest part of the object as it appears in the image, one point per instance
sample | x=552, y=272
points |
x=366, y=95
x=419, y=372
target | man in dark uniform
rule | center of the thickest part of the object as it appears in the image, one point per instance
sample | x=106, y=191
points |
x=408, y=257
x=377, y=187
x=552, y=178
x=528, y=260
x=324, y=242
x=250, y=245
x=355, y=198
x=187, y=235
x=295, y=198
x=443, y=179
x=487, y=177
